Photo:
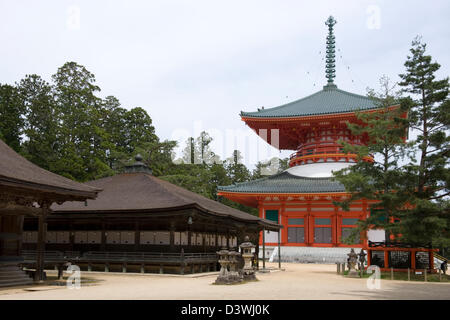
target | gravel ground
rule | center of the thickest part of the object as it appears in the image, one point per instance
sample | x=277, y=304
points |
x=297, y=282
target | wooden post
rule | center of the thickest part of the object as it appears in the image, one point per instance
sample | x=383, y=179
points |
x=440, y=275
x=172, y=237
x=103, y=241
x=40, y=253
x=182, y=261
x=279, y=248
x=137, y=236
x=392, y=273
x=257, y=250
x=425, y=275
x=409, y=274
x=338, y=265
x=264, y=248
x=60, y=272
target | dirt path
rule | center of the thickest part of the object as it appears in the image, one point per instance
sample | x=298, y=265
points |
x=298, y=281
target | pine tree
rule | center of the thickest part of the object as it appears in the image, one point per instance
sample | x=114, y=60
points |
x=376, y=176
x=427, y=176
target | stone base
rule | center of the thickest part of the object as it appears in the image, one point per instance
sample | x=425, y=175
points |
x=250, y=277
x=353, y=274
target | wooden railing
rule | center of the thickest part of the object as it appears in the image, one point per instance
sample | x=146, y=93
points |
x=128, y=257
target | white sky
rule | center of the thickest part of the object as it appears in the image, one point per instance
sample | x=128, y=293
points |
x=194, y=64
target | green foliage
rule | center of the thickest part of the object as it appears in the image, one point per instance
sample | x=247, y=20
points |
x=271, y=167
x=427, y=174
x=11, y=116
x=41, y=121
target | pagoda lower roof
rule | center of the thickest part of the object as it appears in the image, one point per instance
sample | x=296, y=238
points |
x=286, y=183
x=329, y=100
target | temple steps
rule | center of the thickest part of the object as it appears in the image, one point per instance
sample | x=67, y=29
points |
x=308, y=254
x=11, y=275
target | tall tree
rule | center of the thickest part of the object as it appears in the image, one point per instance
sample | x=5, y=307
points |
x=41, y=121
x=427, y=176
x=84, y=143
x=12, y=116
x=376, y=175
x=138, y=129
x=237, y=171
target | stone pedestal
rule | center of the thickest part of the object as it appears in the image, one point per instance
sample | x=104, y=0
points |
x=234, y=276
x=248, y=271
x=223, y=277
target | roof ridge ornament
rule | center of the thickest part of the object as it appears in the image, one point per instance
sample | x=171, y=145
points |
x=330, y=70
x=138, y=166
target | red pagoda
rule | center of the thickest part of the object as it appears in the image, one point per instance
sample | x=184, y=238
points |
x=301, y=198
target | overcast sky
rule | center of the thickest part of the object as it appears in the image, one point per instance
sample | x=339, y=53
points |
x=194, y=65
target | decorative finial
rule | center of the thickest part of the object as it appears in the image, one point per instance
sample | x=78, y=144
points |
x=138, y=166
x=330, y=71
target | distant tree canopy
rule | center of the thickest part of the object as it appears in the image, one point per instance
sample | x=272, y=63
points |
x=65, y=127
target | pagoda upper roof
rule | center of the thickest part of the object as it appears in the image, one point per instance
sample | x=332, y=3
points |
x=329, y=100
x=286, y=182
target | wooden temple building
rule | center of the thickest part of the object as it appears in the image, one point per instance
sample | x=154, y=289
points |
x=301, y=198
x=28, y=191
x=141, y=223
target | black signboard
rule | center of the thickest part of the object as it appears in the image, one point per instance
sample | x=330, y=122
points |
x=400, y=259
x=377, y=258
x=422, y=260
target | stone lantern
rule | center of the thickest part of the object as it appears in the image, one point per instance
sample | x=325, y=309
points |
x=352, y=261
x=362, y=259
x=224, y=274
x=248, y=271
x=233, y=276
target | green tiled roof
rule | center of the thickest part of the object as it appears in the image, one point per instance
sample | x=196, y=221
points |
x=286, y=183
x=329, y=100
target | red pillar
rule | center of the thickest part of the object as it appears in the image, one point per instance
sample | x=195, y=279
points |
x=386, y=259
x=431, y=257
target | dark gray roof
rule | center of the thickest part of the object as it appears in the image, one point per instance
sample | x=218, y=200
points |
x=330, y=100
x=140, y=191
x=286, y=183
x=18, y=172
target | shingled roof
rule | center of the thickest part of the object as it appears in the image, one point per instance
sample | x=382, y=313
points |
x=141, y=191
x=329, y=100
x=18, y=172
x=285, y=183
